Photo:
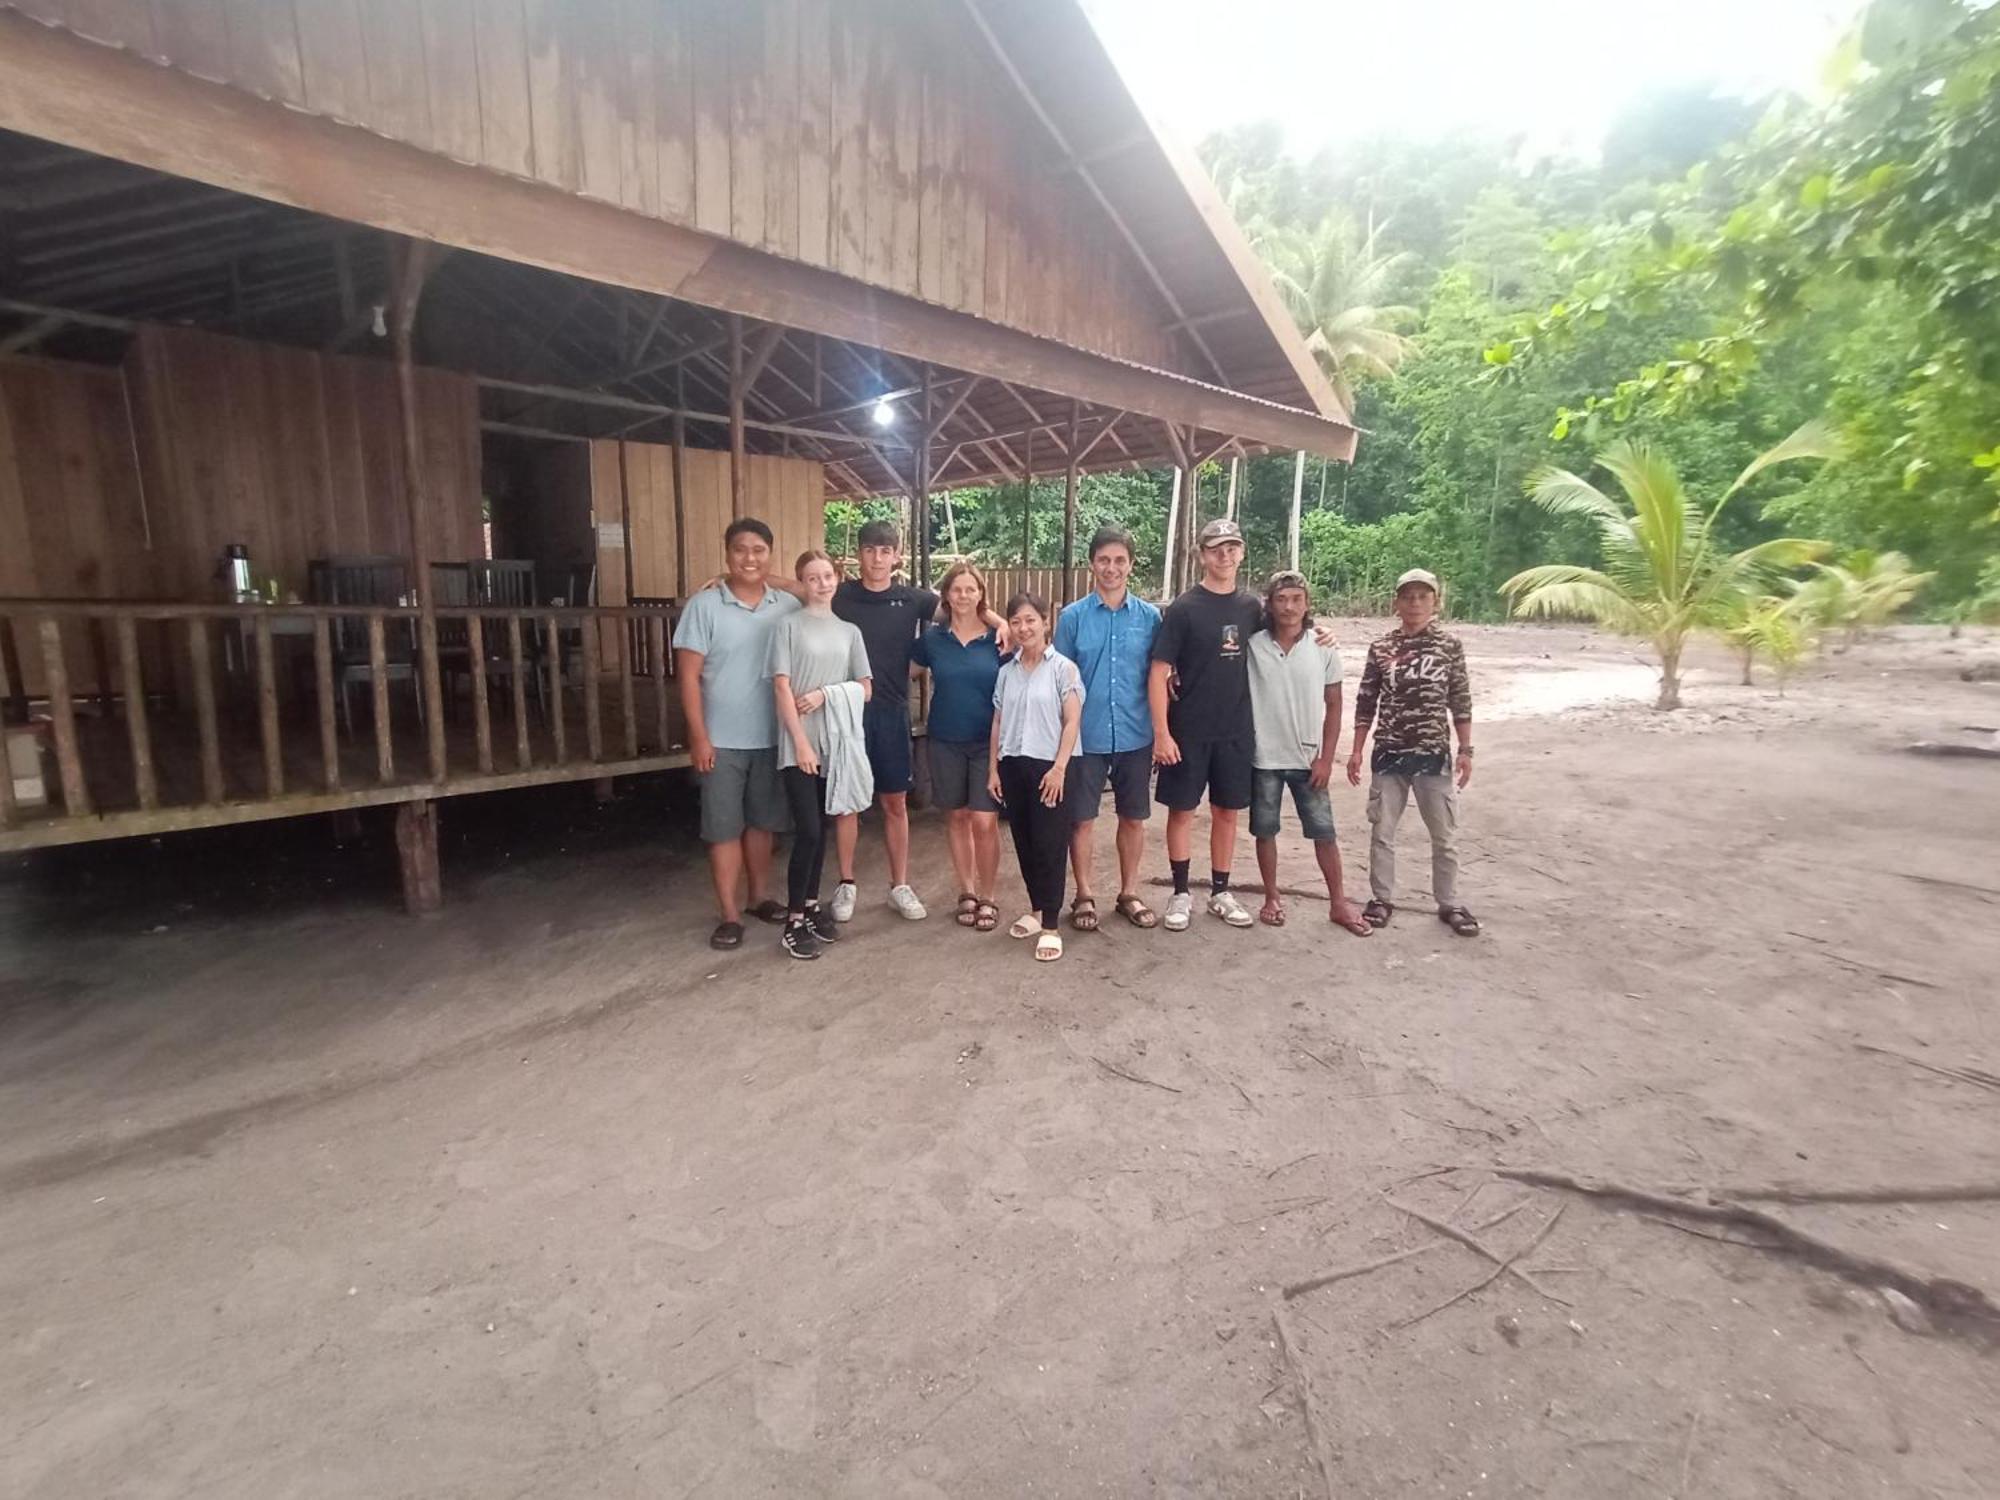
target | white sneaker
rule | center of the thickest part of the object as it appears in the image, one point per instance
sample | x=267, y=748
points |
x=905, y=901
x=1224, y=904
x=1180, y=907
x=843, y=901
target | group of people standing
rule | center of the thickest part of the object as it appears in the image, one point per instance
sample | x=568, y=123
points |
x=796, y=694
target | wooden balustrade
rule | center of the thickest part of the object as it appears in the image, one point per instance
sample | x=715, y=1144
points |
x=221, y=722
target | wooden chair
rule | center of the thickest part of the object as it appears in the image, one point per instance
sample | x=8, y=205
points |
x=451, y=588
x=507, y=583
x=639, y=637
x=364, y=580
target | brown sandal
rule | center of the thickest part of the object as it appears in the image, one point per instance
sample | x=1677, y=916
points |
x=986, y=917
x=1137, y=912
x=968, y=909
x=1083, y=914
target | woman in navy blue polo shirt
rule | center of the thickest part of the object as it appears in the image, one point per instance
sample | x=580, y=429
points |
x=964, y=661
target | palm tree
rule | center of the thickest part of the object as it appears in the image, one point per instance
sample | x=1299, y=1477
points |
x=1333, y=279
x=1771, y=626
x=1862, y=591
x=1662, y=576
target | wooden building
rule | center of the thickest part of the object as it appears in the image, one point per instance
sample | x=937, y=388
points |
x=570, y=281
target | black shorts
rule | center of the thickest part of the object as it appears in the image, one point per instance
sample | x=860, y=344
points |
x=1130, y=773
x=885, y=731
x=1221, y=768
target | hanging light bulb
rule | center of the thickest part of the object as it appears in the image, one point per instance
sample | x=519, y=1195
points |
x=378, y=325
x=885, y=412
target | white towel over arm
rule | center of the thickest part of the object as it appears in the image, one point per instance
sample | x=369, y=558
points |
x=850, y=784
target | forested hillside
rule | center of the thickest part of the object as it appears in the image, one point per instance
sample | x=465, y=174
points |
x=1726, y=271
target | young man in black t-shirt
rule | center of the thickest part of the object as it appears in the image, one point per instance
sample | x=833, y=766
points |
x=890, y=616
x=1203, y=738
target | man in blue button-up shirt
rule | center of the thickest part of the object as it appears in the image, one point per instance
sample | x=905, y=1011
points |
x=1109, y=633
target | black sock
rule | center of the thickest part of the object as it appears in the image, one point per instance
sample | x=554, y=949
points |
x=1180, y=876
x=1218, y=882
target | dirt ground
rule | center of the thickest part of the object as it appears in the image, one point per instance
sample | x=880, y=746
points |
x=541, y=1197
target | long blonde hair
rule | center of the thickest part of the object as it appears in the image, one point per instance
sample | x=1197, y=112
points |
x=951, y=575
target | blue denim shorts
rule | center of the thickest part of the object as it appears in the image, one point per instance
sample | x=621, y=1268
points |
x=1267, y=801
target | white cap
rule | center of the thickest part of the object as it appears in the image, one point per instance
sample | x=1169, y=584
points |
x=1418, y=575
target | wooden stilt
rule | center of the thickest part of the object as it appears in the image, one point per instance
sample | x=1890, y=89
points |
x=736, y=457
x=1069, y=506
x=417, y=854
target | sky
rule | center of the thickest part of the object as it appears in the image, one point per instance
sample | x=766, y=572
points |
x=1555, y=73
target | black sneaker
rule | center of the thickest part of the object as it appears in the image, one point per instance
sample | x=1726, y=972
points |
x=800, y=940
x=821, y=921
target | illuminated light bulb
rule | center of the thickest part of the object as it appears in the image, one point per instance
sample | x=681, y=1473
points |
x=885, y=413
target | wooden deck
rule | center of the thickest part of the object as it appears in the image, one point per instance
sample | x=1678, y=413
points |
x=202, y=715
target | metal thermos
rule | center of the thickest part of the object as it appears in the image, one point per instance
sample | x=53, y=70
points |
x=235, y=572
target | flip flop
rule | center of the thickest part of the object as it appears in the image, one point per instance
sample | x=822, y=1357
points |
x=1271, y=916
x=1083, y=914
x=727, y=935
x=1048, y=947
x=1377, y=913
x=1360, y=926
x=968, y=909
x=1459, y=920
x=1137, y=912
x=767, y=910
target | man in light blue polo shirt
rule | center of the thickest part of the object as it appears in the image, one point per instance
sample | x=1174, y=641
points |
x=721, y=653
x=1109, y=634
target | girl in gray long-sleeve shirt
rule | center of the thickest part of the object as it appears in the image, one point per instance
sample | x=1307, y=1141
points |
x=810, y=652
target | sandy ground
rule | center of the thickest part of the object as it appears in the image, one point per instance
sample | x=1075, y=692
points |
x=541, y=1197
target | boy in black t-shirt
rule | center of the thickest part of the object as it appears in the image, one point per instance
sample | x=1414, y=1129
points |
x=1203, y=737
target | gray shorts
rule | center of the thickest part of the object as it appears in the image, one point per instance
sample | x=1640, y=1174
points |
x=1130, y=773
x=743, y=791
x=1267, y=802
x=958, y=775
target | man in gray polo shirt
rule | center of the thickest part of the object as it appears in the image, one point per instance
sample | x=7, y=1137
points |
x=722, y=652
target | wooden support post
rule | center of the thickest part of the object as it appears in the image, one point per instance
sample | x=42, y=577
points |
x=1069, y=505
x=682, y=583
x=417, y=853
x=203, y=665
x=145, y=783
x=482, y=717
x=7, y=815
x=378, y=674
x=69, y=760
x=518, y=676
x=329, y=738
x=736, y=455
x=593, y=686
x=656, y=642
x=1027, y=502
x=267, y=710
x=413, y=264
x=552, y=645
x=920, y=488
x=626, y=710
x=1235, y=470
x=1298, y=489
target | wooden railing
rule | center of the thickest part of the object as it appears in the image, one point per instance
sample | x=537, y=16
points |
x=192, y=712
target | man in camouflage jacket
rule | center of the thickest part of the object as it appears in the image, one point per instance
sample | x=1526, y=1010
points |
x=1413, y=684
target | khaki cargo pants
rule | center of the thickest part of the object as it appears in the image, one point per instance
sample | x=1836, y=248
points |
x=1437, y=803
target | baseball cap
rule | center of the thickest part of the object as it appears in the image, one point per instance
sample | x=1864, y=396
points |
x=1418, y=575
x=1219, y=530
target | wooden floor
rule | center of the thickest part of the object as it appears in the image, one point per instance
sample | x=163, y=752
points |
x=247, y=793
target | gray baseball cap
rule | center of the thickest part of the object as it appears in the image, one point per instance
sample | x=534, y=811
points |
x=1219, y=530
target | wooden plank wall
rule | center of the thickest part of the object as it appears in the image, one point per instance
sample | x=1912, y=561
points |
x=294, y=454
x=789, y=494
x=73, y=519
x=872, y=137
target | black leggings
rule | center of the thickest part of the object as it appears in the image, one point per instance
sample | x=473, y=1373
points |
x=807, y=796
x=1041, y=834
